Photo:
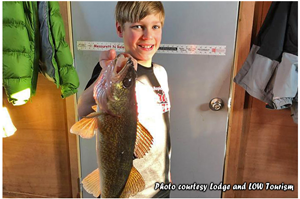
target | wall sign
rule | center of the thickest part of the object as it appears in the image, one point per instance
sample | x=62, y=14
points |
x=164, y=48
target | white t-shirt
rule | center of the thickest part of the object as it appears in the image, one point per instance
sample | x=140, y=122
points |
x=152, y=93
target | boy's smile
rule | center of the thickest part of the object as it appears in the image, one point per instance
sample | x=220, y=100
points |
x=142, y=39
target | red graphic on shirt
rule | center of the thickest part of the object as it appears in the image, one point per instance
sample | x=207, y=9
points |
x=162, y=98
x=163, y=101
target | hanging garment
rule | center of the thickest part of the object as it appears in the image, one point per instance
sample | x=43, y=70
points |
x=20, y=47
x=27, y=29
x=56, y=61
x=270, y=72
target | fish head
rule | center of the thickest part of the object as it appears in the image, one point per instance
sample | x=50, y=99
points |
x=115, y=91
x=123, y=90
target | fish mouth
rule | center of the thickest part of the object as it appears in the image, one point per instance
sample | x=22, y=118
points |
x=121, y=67
x=125, y=67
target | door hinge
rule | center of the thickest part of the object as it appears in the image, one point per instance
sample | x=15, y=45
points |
x=80, y=184
x=229, y=103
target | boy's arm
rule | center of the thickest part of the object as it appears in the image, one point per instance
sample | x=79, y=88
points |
x=86, y=100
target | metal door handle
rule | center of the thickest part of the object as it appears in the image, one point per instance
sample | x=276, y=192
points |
x=216, y=104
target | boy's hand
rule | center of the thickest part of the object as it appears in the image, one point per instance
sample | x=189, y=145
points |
x=106, y=57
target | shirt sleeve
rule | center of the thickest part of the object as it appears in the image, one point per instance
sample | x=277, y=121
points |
x=95, y=74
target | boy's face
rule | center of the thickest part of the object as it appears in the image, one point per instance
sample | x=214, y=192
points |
x=142, y=39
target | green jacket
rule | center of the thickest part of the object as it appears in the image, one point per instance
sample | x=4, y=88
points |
x=34, y=41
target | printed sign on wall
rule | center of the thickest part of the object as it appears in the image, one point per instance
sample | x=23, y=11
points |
x=164, y=48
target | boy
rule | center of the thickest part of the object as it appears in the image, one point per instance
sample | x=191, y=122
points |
x=140, y=25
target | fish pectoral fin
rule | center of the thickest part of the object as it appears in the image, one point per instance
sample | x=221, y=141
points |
x=91, y=183
x=95, y=107
x=143, y=142
x=85, y=127
x=135, y=183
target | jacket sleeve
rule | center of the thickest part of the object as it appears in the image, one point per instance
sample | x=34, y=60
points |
x=56, y=59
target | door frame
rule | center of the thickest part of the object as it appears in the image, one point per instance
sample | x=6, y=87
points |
x=237, y=117
x=71, y=110
x=251, y=17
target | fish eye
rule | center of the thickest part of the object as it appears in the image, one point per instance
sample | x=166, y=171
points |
x=127, y=82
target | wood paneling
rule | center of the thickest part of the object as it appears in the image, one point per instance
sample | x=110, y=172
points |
x=35, y=159
x=71, y=107
x=41, y=159
x=271, y=151
x=265, y=146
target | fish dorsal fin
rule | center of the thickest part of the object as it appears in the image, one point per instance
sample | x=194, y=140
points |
x=91, y=183
x=94, y=108
x=85, y=127
x=134, y=184
x=143, y=142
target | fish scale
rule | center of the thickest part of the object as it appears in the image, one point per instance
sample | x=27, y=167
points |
x=111, y=143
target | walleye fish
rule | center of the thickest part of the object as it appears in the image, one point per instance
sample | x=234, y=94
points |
x=119, y=135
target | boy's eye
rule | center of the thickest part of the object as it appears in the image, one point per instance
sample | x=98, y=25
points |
x=137, y=26
x=156, y=27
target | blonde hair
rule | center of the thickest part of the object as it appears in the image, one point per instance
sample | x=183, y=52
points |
x=134, y=11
